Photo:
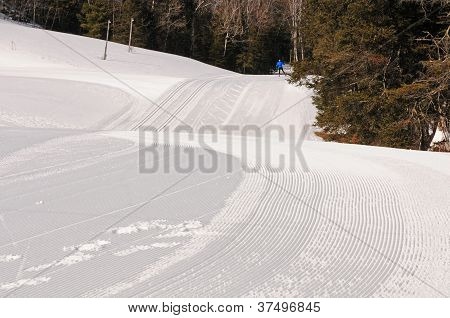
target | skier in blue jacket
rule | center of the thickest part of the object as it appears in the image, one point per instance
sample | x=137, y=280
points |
x=279, y=67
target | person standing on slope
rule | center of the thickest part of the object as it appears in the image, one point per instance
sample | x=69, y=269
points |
x=280, y=67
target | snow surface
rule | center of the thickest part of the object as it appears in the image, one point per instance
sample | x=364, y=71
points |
x=77, y=219
x=9, y=258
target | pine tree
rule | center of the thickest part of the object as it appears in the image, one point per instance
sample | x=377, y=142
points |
x=369, y=68
x=94, y=18
x=139, y=11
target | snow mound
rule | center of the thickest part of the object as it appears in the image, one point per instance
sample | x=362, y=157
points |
x=88, y=247
x=9, y=258
x=140, y=248
x=142, y=226
x=70, y=260
x=25, y=282
x=182, y=230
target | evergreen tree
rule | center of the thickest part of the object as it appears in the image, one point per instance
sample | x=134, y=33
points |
x=139, y=11
x=369, y=68
x=94, y=18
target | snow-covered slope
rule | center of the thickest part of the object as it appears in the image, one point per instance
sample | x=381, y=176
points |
x=27, y=47
x=77, y=218
x=134, y=81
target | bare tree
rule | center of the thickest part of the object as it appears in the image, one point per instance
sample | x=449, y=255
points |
x=170, y=18
x=295, y=14
x=227, y=20
x=235, y=18
x=200, y=7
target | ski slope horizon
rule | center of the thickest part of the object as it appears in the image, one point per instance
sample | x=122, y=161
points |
x=78, y=219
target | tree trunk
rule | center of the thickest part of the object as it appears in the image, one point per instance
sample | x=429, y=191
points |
x=295, y=49
x=302, y=49
x=294, y=32
x=426, y=138
x=225, y=45
x=47, y=17
x=54, y=18
x=193, y=37
x=166, y=40
x=445, y=126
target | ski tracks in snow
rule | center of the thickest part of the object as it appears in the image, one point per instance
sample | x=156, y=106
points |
x=354, y=226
